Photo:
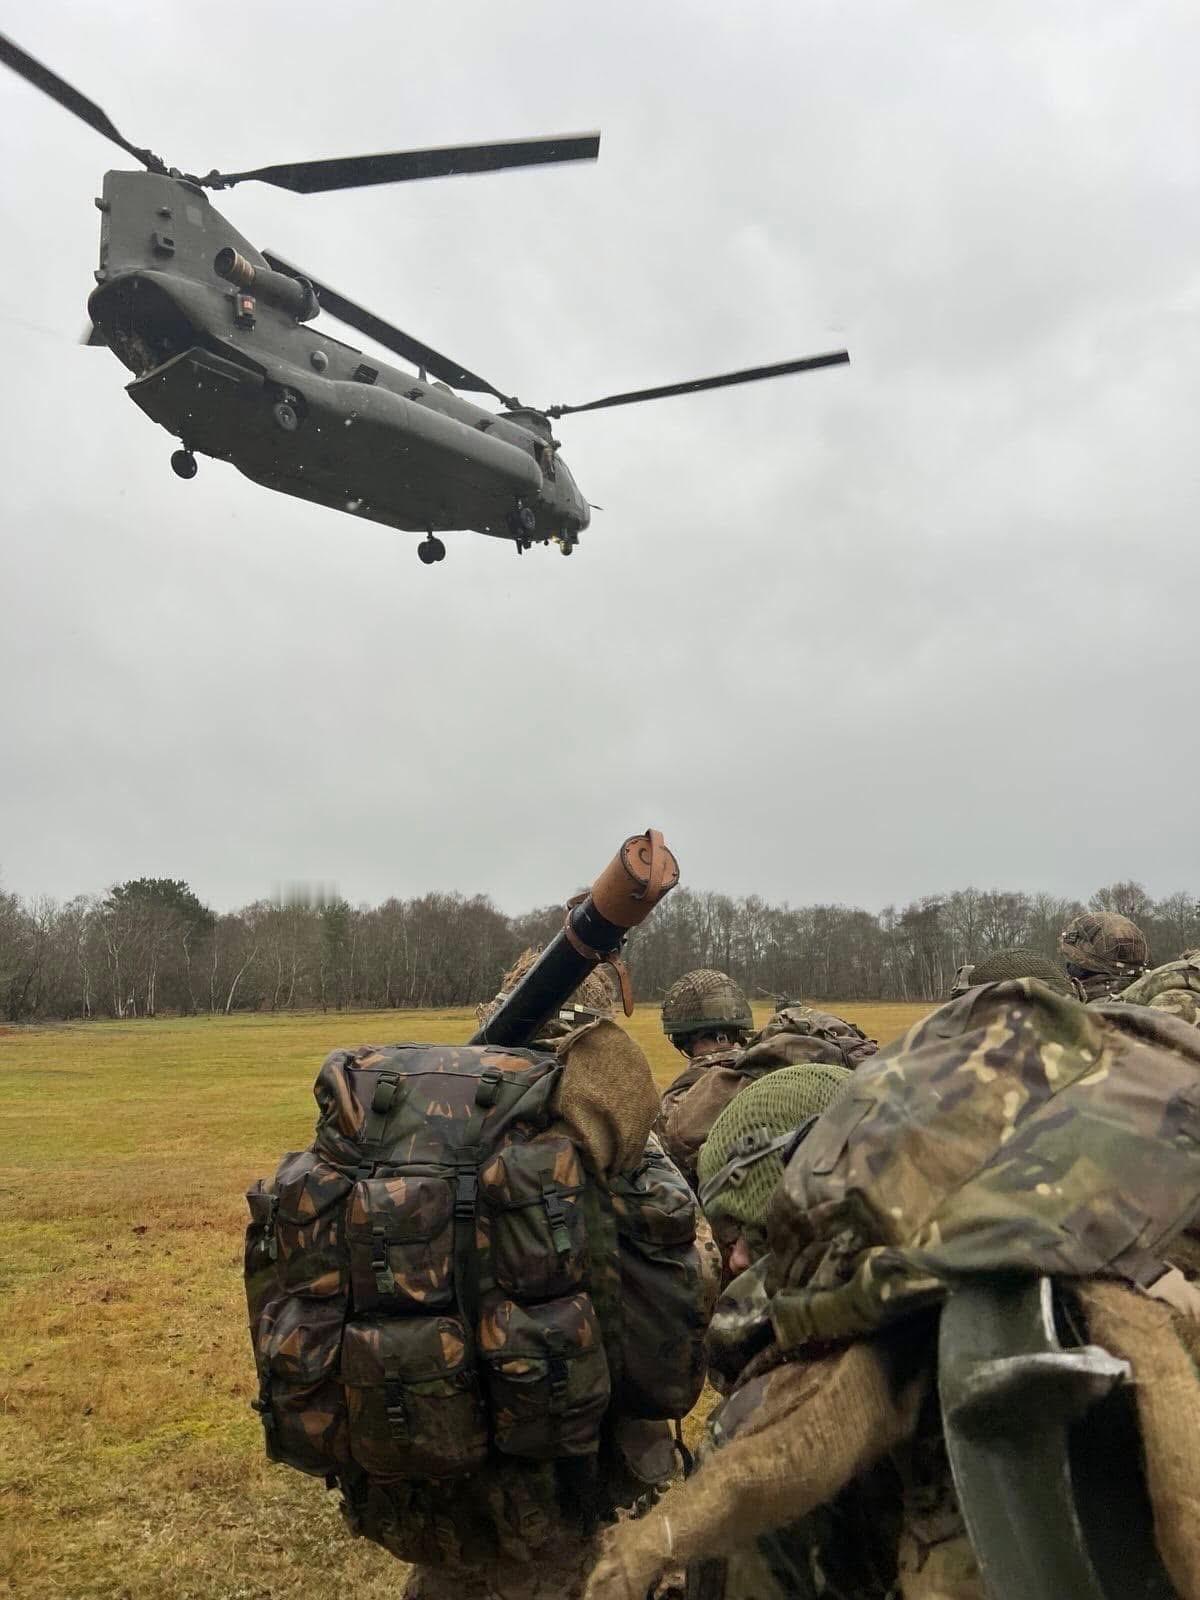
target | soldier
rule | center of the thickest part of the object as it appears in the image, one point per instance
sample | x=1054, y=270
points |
x=1014, y=962
x=706, y=1015
x=1174, y=988
x=1013, y=1167
x=742, y=1160
x=1104, y=953
x=484, y=1364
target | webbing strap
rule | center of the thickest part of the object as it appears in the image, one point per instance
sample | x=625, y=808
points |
x=466, y=1185
x=751, y=1148
x=385, y=1278
x=383, y=1101
x=397, y=1415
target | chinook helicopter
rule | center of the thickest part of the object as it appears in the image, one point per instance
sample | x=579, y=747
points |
x=215, y=333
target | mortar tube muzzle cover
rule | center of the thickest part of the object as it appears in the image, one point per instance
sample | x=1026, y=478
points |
x=594, y=929
x=635, y=880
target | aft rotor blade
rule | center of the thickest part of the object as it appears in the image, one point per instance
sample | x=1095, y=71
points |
x=693, y=386
x=402, y=166
x=403, y=344
x=58, y=89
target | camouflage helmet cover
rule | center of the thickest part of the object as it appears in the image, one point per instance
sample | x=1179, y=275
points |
x=705, y=1001
x=1105, y=942
x=741, y=1161
x=1018, y=962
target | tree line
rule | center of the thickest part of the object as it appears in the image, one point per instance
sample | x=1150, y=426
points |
x=150, y=946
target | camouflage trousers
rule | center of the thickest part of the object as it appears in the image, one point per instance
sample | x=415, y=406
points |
x=556, y=1574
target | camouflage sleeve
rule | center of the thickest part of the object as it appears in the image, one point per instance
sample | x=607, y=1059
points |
x=674, y=1093
x=689, y=1120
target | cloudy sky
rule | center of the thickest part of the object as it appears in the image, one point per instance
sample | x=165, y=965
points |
x=856, y=635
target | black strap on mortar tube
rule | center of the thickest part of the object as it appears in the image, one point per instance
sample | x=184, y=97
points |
x=553, y=978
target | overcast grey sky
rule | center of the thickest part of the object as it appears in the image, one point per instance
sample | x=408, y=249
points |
x=855, y=635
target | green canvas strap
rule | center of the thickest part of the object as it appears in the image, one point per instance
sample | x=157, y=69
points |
x=397, y=1414
x=385, y=1278
x=466, y=1188
x=556, y=1216
x=383, y=1102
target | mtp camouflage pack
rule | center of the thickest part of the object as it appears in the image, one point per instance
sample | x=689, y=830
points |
x=440, y=1283
x=1013, y=1131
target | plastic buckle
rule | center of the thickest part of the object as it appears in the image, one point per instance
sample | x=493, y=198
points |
x=263, y=1406
x=489, y=1087
x=385, y=1278
x=464, y=1193
x=557, y=1218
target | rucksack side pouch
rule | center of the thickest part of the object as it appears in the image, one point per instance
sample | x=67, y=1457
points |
x=413, y=1398
x=654, y=1205
x=300, y=1399
x=309, y=1196
x=531, y=1198
x=663, y=1331
x=400, y=1233
x=261, y=1253
x=547, y=1376
x=663, y=1298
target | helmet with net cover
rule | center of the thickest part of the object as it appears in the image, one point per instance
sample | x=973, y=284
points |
x=705, y=1001
x=597, y=993
x=741, y=1161
x=1106, y=943
x=1018, y=962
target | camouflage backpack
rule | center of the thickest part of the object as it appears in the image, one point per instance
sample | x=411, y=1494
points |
x=1174, y=987
x=438, y=1283
x=1013, y=1131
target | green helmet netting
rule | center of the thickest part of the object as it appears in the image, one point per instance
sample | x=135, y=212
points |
x=705, y=1001
x=776, y=1103
x=1017, y=962
x=1105, y=943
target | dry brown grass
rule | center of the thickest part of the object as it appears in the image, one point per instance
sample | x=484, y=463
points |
x=131, y=1466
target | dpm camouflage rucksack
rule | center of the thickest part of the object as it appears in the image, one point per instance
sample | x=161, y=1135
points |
x=438, y=1284
x=1014, y=1131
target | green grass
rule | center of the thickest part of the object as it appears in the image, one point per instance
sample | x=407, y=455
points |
x=131, y=1466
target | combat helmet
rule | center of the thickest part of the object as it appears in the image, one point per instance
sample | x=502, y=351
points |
x=1105, y=944
x=1019, y=962
x=705, y=1001
x=741, y=1161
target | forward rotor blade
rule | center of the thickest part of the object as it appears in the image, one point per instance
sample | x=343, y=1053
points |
x=421, y=355
x=693, y=386
x=402, y=166
x=71, y=100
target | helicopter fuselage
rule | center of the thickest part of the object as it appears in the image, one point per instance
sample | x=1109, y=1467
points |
x=236, y=373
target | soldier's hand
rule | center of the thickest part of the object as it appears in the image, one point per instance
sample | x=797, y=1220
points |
x=633, y=1556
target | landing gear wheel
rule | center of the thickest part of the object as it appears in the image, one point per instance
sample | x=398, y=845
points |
x=521, y=523
x=286, y=416
x=430, y=550
x=183, y=464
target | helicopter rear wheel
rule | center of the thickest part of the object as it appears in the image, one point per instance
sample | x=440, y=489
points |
x=521, y=523
x=430, y=550
x=183, y=464
x=286, y=416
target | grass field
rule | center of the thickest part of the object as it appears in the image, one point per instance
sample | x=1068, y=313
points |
x=131, y=1466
